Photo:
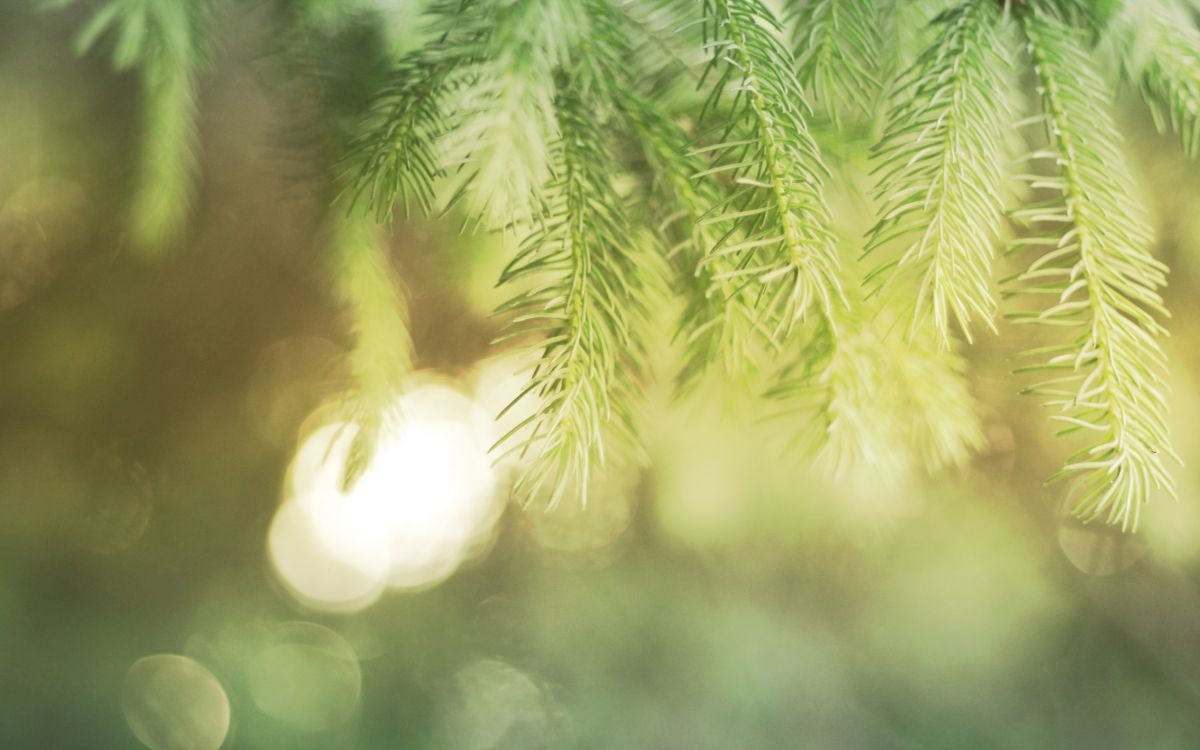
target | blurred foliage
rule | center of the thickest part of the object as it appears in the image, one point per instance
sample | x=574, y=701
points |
x=725, y=598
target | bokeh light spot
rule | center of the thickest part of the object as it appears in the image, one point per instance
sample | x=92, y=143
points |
x=307, y=677
x=494, y=705
x=171, y=702
x=118, y=504
x=1094, y=547
x=425, y=503
x=338, y=577
x=36, y=223
x=594, y=532
x=1098, y=549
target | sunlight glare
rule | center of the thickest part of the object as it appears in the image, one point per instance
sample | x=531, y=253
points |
x=426, y=503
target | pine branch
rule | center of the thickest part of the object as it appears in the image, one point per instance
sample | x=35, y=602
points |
x=838, y=45
x=675, y=203
x=395, y=159
x=167, y=165
x=909, y=32
x=327, y=98
x=162, y=39
x=887, y=406
x=582, y=306
x=718, y=320
x=1169, y=79
x=477, y=102
x=779, y=237
x=862, y=388
x=381, y=358
x=663, y=38
x=504, y=109
x=944, y=429
x=940, y=170
x=1092, y=15
x=1109, y=381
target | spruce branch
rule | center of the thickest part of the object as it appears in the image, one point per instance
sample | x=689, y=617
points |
x=718, y=312
x=381, y=356
x=662, y=36
x=582, y=306
x=778, y=239
x=888, y=406
x=862, y=388
x=504, y=108
x=719, y=317
x=1169, y=76
x=477, y=102
x=909, y=31
x=1108, y=383
x=329, y=94
x=163, y=40
x=940, y=169
x=395, y=158
x=944, y=428
x=512, y=110
x=838, y=44
x=167, y=165
x=1093, y=16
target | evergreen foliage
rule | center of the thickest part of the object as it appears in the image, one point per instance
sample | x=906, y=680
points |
x=838, y=44
x=941, y=167
x=888, y=406
x=1162, y=59
x=586, y=312
x=620, y=140
x=164, y=41
x=1098, y=272
x=779, y=236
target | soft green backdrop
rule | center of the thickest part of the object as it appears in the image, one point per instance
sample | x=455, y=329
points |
x=718, y=600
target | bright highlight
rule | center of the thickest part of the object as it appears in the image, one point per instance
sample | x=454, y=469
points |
x=426, y=502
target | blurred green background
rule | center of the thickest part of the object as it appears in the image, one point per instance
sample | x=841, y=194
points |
x=721, y=599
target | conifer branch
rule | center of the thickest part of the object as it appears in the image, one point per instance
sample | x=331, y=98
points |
x=509, y=106
x=941, y=167
x=663, y=37
x=582, y=306
x=1169, y=79
x=718, y=319
x=779, y=237
x=909, y=32
x=381, y=357
x=887, y=406
x=395, y=159
x=851, y=378
x=944, y=428
x=327, y=103
x=1093, y=16
x=162, y=40
x=167, y=165
x=838, y=44
x=504, y=106
x=1108, y=383
x=478, y=102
